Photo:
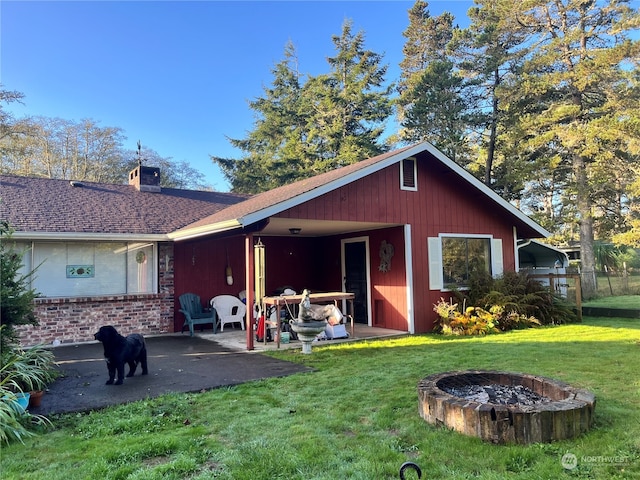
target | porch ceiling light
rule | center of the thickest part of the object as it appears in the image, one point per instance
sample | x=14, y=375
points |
x=295, y=230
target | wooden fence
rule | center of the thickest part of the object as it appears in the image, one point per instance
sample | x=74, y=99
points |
x=555, y=285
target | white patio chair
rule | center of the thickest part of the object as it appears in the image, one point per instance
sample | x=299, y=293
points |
x=230, y=309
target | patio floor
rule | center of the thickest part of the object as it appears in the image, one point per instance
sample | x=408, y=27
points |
x=236, y=338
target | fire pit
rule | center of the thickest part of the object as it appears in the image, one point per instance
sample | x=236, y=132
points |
x=504, y=407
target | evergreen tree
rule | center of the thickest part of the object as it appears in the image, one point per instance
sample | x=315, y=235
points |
x=349, y=105
x=427, y=40
x=276, y=151
x=16, y=294
x=487, y=52
x=432, y=105
x=581, y=83
x=303, y=129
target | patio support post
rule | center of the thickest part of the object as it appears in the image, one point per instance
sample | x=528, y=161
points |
x=249, y=286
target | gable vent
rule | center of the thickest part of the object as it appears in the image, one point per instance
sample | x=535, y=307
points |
x=408, y=174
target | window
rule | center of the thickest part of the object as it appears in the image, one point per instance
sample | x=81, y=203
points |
x=408, y=174
x=461, y=257
x=73, y=269
x=454, y=258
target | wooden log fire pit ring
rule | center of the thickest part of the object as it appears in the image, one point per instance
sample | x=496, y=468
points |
x=562, y=411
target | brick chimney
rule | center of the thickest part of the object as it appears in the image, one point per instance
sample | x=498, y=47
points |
x=145, y=179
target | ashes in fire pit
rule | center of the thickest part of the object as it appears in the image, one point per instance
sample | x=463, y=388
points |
x=505, y=407
x=498, y=394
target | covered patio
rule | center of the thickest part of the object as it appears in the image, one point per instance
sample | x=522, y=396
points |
x=235, y=338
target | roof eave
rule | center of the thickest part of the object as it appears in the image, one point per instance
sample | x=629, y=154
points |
x=487, y=191
x=211, y=229
x=421, y=147
x=68, y=236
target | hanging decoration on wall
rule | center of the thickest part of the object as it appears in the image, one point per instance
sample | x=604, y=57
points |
x=80, y=271
x=386, y=252
x=141, y=257
x=259, y=271
x=228, y=273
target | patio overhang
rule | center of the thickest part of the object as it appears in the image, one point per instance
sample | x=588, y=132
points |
x=317, y=228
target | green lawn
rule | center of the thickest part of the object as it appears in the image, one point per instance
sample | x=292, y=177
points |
x=356, y=417
x=623, y=301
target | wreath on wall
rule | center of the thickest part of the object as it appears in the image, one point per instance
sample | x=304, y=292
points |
x=386, y=253
x=141, y=257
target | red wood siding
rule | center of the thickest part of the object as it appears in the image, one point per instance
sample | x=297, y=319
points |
x=200, y=268
x=444, y=203
x=299, y=263
x=388, y=289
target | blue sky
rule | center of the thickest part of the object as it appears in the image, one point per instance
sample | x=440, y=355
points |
x=177, y=75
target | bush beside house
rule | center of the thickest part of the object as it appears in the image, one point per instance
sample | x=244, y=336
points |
x=21, y=370
x=493, y=305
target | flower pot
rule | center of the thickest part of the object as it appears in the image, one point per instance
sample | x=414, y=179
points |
x=35, y=398
x=18, y=401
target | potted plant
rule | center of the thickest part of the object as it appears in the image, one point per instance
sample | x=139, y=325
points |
x=41, y=369
x=28, y=370
x=21, y=371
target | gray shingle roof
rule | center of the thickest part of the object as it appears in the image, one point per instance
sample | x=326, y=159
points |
x=45, y=205
x=50, y=205
x=279, y=195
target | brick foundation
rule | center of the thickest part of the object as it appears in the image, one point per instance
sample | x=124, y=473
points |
x=71, y=320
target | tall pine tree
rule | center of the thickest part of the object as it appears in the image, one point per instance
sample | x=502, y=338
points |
x=487, y=52
x=349, y=105
x=432, y=105
x=582, y=81
x=303, y=129
x=275, y=150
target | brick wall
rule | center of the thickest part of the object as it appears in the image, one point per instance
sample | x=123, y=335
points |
x=72, y=320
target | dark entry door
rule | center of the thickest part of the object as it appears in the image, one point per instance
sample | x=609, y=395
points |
x=355, y=281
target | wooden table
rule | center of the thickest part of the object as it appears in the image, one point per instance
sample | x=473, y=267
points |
x=294, y=300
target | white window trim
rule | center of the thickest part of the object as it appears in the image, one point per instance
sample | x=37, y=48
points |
x=408, y=259
x=434, y=253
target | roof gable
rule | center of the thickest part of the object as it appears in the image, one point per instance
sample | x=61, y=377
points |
x=272, y=202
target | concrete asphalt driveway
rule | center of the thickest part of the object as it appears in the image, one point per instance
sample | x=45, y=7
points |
x=177, y=363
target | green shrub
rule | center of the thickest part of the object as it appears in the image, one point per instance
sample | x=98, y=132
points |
x=519, y=294
x=16, y=294
x=453, y=320
x=22, y=371
x=466, y=321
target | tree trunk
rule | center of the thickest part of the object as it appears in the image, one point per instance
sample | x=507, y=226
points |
x=493, y=128
x=583, y=204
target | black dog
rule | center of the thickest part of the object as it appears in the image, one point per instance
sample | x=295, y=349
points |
x=119, y=350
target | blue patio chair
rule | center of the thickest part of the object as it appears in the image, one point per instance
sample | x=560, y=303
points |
x=194, y=314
